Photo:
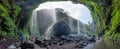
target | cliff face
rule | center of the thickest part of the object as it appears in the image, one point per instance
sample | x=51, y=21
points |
x=106, y=15
x=15, y=16
x=8, y=14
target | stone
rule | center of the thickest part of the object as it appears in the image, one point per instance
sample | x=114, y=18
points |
x=61, y=43
x=78, y=46
x=27, y=45
x=12, y=47
x=92, y=39
x=38, y=42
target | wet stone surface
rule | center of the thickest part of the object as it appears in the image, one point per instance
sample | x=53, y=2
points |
x=62, y=43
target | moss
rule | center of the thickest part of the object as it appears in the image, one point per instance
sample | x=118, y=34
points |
x=3, y=14
x=96, y=8
x=7, y=23
x=114, y=22
x=3, y=11
x=6, y=5
x=106, y=15
x=16, y=10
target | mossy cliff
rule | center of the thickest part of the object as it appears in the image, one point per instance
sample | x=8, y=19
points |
x=8, y=14
x=15, y=16
x=106, y=16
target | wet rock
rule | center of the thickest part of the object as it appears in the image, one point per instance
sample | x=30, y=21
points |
x=17, y=44
x=27, y=45
x=61, y=43
x=38, y=42
x=42, y=42
x=61, y=28
x=1, y=37
x=92, y=39
x=84, y=44
x=32, y=38
x=12, y=47
x=55, y=42
x=117, y=42
x=68, y=40
x=43, y=45
x=79, y=46
x=49, y=43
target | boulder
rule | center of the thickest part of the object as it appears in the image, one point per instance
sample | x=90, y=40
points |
x=27, y=45
x=92, y=39
x=38, y=42
x=1, y=37
x=79, y=46
x=12, y=47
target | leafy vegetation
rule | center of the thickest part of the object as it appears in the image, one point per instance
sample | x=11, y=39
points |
x=106, y=15
x=115, y=21
x=8, y=13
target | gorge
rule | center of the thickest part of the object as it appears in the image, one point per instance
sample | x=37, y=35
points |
x=47, y=18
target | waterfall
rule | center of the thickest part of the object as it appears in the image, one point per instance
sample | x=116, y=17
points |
x=44, y=17
x=34, y=24
x=71, y=23
x=49, y=31
x=78, y=27
x=36, y=21
x=92, y=28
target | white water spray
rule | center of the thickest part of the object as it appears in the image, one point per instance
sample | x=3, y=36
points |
x=78, y=27
x=34, y=24
x=77, y=11
x=49, y=31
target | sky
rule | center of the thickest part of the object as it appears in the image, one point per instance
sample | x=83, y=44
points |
x=77, y=11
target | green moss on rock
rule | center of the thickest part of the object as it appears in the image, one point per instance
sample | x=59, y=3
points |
x=106, y=15
x=7, y=23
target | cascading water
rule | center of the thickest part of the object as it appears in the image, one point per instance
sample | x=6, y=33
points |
x=78, y=27
x=40, y=23
x=34, y=24
x=48, y=16
x=48, y=31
